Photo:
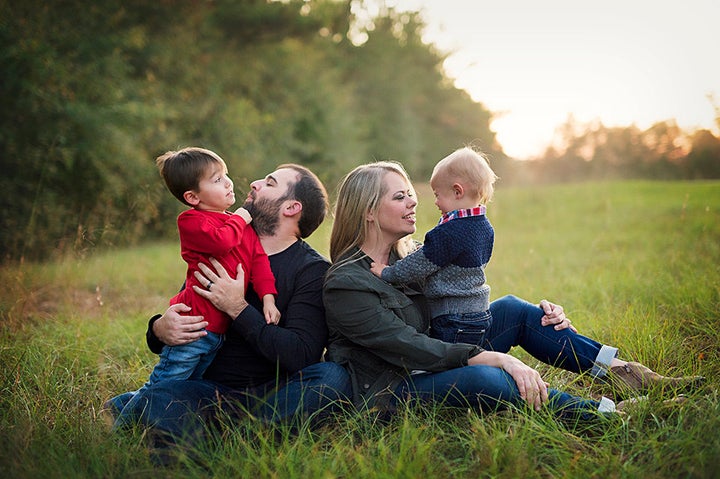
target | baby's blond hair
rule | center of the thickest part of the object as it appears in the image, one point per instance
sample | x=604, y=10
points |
x=469, y=168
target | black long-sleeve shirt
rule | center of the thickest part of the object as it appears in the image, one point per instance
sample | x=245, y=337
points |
x=254, y=352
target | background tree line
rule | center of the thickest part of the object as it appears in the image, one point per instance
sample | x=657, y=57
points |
x=92, y=92
x=594, y=151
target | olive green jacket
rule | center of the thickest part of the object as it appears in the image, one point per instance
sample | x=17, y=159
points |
x=379, y=333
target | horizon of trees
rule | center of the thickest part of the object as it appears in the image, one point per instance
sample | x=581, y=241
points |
x=92, y=92
x=593, y=151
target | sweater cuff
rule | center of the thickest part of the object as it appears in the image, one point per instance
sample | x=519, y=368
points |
x=154, y=344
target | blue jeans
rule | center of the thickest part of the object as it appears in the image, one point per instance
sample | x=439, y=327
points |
x=467, y=328
x=515, y=322
x=182, y=409
x=186, y=361
x=485, y=388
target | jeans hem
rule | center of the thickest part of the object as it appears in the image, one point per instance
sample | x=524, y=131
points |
x=602, y=361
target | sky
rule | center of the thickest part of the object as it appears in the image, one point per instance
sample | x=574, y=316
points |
x=622, y=62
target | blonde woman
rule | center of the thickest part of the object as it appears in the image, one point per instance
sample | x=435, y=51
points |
x=451, y=262
x=379, y=332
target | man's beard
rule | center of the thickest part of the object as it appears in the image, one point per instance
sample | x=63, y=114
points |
x=265, y=214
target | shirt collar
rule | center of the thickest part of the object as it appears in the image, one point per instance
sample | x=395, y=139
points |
x=462, y=213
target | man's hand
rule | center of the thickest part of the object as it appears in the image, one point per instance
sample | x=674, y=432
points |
x=175, y=328
x=555, y=315
x=225, y=293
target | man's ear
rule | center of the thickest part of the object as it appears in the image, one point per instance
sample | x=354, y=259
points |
x=292, y=208
x=458, y=190
x=191, y=198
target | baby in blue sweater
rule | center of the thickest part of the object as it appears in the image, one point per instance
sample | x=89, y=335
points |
x=451, y=263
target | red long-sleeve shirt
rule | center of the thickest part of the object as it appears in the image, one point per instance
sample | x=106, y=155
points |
x=227, y=238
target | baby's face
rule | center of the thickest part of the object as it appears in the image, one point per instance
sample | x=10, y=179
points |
x=444, y=198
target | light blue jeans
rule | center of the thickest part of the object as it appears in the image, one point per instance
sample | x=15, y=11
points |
x=183, y=362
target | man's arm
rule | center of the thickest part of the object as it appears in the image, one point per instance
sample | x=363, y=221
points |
x=300, y=340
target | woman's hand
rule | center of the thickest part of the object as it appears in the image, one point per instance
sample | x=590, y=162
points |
x=555, y=315
x=530, y=384
x=225, y=293
x=174, y=328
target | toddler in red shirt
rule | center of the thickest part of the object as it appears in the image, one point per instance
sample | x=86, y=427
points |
x=199, y=178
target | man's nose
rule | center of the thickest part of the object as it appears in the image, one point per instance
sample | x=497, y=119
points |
x=256, y=185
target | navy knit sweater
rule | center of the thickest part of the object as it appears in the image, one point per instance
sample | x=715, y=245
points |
x=451, y=262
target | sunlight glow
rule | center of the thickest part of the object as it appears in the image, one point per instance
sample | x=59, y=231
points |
x=622, y=63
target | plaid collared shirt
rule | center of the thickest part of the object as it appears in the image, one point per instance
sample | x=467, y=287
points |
x=463, y=213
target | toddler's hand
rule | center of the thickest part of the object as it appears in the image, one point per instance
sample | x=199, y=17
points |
x=245, y=214
x=272, y=314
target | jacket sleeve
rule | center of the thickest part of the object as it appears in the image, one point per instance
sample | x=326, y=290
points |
x=154, y=344
x=368, y=319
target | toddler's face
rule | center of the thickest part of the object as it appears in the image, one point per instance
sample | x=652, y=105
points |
x=216, y=190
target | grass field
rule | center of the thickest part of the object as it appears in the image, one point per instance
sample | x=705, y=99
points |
x=635, y=264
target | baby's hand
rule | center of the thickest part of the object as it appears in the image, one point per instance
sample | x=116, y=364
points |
x=377, y=269
x=245, y=214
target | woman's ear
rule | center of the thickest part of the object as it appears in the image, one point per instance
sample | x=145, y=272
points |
x=369, y=217
x=191, y=198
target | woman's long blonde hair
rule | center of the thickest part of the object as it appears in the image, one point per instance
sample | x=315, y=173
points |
x=358, y=194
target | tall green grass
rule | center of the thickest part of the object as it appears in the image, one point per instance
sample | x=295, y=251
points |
x=635, y=264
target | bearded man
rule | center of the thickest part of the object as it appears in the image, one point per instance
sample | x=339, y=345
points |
x=272, y=372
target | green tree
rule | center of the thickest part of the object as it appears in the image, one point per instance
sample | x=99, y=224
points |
x=93, y=92
x=69, y=118
x=703, y=161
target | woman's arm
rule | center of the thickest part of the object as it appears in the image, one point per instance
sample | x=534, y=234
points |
x=369, y=321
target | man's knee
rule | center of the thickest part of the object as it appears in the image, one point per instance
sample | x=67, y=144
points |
x=332, y=377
